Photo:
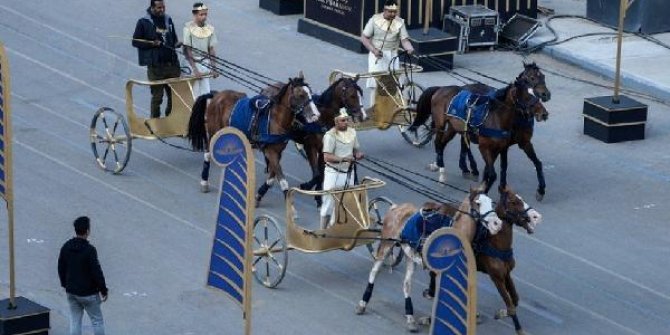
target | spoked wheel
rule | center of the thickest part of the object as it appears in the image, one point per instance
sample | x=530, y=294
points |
x=377, y=208
x=411, y=92
x=110, y=140
x=270, y=252
x=300, y=149
x=423, y=134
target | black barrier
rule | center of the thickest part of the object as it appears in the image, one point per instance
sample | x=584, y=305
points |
x=344, y=15
x=648, y=16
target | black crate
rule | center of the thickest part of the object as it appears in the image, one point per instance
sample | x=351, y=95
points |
x=613, y=134
x=475, y=25
x=614, y=122
x=282, y=7
x=627, y=110
x=435, y=50
x=28, y=318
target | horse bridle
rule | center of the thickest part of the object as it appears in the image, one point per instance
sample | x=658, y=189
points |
x=523, y=106
x=514, y=217
x=477, y=216
x=299, y=109
x=348, y=84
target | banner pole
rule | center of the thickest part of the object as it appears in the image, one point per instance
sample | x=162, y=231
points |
x=617, y=76
x=7, y=167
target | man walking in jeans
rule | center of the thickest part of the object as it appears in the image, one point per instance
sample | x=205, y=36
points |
x=81, y=276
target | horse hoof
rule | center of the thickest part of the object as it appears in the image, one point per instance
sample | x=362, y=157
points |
x=204, y=188
x=433, y=167
x=424, y=321
x=520, y=332
x=442, y=179
x=360, y=310
x=539, y=196
x=412, y=327
x=428, y=295
x=501, y=313
x=470, y=176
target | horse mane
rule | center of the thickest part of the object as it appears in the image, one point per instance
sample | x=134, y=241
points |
x=327, y=95
x=532, y=66
x=291, y=82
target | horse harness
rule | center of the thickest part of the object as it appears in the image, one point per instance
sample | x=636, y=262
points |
x=481, y=244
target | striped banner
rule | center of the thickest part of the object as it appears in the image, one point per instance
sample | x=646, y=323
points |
x=455, y=306
x=230, y=261
x=5, y=129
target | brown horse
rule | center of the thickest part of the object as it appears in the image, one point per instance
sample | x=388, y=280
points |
x=292, y=100
x=495, y=129
x=476, y=208
x=342, y=93
x=522, y=131
x=495, y=256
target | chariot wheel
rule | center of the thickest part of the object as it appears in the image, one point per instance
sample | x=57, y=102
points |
x=423, y=134
x=377, y=208
x=411, y=92
x=270, y=252
x=111, y=141
x=300, y=148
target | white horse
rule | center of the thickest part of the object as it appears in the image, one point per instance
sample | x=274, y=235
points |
x=476, y=208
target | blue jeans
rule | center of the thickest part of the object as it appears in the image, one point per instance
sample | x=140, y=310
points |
x=90, y=304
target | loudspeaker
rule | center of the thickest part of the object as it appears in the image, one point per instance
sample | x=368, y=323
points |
x=519, y=29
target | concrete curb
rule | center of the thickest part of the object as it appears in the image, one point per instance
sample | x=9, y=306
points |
x=628, y=80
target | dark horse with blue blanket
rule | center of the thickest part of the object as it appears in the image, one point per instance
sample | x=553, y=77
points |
x=501, y=111
x=270, y=133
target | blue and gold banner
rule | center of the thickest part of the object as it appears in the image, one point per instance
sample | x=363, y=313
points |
x=455, y=306
x=230, y=262
x=5, y=130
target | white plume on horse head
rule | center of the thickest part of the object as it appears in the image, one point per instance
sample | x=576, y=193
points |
x=534, y=215
x=490, y=220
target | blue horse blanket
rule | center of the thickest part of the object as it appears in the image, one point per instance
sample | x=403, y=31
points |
x=477, y=105
x=243, y=115
x=417, y=228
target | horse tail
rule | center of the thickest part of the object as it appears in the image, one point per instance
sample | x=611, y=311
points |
x=423, y=107
x=197, y=133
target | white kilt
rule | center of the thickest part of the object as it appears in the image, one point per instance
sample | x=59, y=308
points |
x=381, y=64
x=201, y=86
x=333, y=179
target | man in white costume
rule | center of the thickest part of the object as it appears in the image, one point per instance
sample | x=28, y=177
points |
x=382, y=36
x=199, y=42
x=340, y=150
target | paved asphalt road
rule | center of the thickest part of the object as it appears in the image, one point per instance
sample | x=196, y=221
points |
x=597, y=265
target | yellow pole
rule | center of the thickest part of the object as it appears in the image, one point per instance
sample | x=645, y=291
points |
x=428, y=15
x=9, y=191
x=617, y=76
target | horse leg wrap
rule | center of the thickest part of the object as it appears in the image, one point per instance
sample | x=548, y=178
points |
x=205, y=170
x=409, y=308
x=439, y=160
x=283, y=184
x=368, y=292
x=431, y=285
x=262, y=190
